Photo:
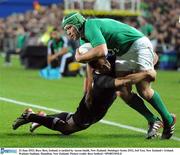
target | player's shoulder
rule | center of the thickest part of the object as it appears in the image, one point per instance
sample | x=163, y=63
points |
x=91, y=21
x=99, y=21
x=90, y=26
x=94, y=20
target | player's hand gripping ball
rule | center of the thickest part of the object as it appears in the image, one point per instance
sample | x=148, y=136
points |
x=85, y=48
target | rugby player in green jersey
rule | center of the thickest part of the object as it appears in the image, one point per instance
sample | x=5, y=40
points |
x=134, y=53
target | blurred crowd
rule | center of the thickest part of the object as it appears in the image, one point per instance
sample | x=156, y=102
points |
x=33, y=24
x=164, y=16
x=32, y=28
x=160, y=22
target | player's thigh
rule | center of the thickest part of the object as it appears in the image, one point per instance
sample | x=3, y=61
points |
x=145, y=59
x=139, y=57
x=144, y=54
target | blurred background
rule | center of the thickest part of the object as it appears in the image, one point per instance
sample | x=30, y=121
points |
x=26, y=27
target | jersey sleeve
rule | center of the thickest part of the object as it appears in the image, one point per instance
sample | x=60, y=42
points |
x=81, y=42
x=94, y=35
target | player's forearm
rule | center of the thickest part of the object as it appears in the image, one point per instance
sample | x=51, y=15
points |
x=121, y=82
x=93, y=54
x=56, y=55
x=51, y=58
x=89, y=56
x=109, y=82
x=135, y=78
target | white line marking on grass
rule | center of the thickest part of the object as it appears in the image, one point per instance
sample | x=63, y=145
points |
x=28, y=104
x=58, y=111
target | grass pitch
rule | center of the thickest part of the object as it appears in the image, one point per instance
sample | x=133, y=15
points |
x=26, y=86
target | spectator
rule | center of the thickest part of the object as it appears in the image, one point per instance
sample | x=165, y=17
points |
x=15, y=43
x=149, y=30
x=58, y=51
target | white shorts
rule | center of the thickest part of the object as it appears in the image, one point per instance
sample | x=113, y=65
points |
x=139, y=57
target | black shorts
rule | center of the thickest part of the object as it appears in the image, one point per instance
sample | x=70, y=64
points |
x=102, y=99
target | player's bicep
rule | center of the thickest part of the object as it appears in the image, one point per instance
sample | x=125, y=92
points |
x=95, y=36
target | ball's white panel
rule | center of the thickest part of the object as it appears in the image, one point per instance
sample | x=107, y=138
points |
x=85, y=48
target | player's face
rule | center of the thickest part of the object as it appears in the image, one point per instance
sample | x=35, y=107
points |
x=102, y=66
x=72, y=32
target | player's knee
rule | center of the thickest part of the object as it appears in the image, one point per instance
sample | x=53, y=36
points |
x=68, y=127
x=71, y=129
x=64, y=127
x=151, y=75
x=146, y=93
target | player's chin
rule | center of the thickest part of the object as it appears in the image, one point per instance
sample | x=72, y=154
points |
x=75, y=37
x=72, y=37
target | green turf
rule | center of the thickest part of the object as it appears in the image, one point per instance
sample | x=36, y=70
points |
x=64, y=94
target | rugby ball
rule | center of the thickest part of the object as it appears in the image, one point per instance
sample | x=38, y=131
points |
x=85, y=48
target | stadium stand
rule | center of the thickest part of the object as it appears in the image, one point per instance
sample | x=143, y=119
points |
x=159, y=20
x=163, y=15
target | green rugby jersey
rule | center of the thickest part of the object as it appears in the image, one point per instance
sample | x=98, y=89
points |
x=56, y=46
x=117, y=35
